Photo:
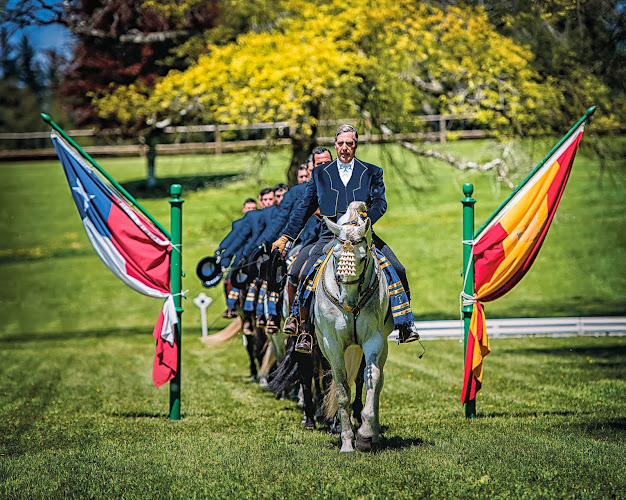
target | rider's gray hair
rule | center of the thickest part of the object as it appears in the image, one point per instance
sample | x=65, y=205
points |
x=347, y=128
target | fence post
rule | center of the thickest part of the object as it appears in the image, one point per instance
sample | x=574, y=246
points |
x=176, y=214
x=468, y=275
x=218, y=140
x=442, y=129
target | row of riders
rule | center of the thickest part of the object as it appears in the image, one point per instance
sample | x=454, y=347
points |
x=274, y=260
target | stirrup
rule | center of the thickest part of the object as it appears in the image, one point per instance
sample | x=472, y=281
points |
x=291, y=326
x=305, y=343
x=410, y=335
x=271, y=328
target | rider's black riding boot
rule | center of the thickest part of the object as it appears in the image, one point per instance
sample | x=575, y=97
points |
x=248, y=324
x=291, y=323
x=305, y=339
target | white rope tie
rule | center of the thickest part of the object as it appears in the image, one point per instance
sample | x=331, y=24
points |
x=464, y=298
x=176, y=247
x=182, y=294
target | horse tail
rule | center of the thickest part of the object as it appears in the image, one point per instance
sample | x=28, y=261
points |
x=286, y=373
x=352, y=358
x=223, y=335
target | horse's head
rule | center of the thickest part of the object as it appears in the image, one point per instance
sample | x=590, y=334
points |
x=353, y=239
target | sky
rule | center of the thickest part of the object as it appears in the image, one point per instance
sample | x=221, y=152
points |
x=43, y=37
x=47, y=37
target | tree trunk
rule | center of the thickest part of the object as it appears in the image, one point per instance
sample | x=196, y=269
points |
x=303, y=144
x=151, y=160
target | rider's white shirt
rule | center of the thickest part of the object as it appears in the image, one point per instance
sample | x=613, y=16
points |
x=345, y=171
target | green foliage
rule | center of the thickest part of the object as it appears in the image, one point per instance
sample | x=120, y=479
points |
x=330, y=56
x=579, y=46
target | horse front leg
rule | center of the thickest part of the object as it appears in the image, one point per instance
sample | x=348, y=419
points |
x=375, y=353
x=342, y=391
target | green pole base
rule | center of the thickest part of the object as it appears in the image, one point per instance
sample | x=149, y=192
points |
x=470, y=409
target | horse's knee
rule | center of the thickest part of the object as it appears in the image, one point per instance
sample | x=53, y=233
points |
x=372, y=375
x=343, y=396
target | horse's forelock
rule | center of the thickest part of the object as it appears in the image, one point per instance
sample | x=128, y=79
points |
x=353, y=233
x=354, y=209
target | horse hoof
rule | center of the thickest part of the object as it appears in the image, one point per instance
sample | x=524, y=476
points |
x=363, y=443
x=347, y=448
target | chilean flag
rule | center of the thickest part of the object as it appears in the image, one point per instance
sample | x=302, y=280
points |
x=129, y=244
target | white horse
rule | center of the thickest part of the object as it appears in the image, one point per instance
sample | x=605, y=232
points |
x=351, y=303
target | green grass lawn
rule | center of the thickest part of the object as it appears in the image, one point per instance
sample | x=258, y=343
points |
x=81, y=418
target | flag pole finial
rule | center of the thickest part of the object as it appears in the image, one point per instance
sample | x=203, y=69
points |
x=46, y=118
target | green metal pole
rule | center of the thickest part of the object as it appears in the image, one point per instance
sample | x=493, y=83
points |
x=468, y=275
x=93, y=162
x=176, y=212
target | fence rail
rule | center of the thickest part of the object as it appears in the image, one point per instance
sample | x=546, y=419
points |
x=518, y=327
x=281, y=133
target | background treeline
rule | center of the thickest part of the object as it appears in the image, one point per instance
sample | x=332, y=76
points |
x=518, y=68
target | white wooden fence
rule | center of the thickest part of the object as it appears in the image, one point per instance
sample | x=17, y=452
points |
x=278, y=133
x=518, y=327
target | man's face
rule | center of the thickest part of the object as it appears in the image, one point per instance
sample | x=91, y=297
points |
x=267, y=200
x=310, y=166
x=345, y=145
x=278, y=196
x=303, y=176
x=321, y=158
x=248, y=206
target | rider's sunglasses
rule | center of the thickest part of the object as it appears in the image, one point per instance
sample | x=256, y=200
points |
x=350, y=144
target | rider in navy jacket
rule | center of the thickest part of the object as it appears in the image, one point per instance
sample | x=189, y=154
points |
x=326, y=191
x=332, y=193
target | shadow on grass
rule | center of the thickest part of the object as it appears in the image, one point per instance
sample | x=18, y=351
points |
x=140, y=188
x=612, y=352
x=398, y=443
x=530, y=413
x=139, y=414
x=75, y=334
x=613, y=425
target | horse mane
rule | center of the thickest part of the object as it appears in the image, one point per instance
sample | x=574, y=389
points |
x=354, y=210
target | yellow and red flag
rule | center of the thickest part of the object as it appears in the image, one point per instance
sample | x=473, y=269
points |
x=506, y=246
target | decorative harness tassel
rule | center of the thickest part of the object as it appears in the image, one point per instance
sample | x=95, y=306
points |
x=346, y=265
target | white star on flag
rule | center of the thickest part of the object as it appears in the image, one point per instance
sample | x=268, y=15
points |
x=81, y=191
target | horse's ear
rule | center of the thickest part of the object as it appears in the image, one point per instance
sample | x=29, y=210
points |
x=335, y=228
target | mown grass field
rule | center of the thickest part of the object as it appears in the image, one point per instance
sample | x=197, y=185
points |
x=81, y=418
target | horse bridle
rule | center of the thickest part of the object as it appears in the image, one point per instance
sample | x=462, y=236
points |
x=368, y=293
x=348, y=246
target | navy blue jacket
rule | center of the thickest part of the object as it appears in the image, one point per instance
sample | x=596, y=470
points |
x=279, y=220
x=236, y=228
x=325, y=190
x=311, y=232
x=269, y=216
x=250, y=228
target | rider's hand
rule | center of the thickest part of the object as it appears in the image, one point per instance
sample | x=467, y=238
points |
x=280, y=243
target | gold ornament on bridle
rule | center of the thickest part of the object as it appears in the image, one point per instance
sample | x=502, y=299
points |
x=346, y=265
